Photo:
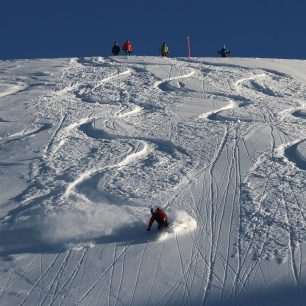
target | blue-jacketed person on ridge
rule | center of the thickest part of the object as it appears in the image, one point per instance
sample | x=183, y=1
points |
x=116, y=49
x=224, y=52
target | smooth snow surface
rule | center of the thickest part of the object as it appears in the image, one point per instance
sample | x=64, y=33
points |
x=88, y=145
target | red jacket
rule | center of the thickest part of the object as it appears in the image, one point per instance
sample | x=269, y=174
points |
x=159, y=216
x=127, y=47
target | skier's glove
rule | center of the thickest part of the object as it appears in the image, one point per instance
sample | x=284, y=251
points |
x=148, y=229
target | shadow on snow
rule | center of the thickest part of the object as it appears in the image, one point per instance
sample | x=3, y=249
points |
x=32, y=240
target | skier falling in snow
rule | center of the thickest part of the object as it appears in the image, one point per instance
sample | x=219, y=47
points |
x=160, y=217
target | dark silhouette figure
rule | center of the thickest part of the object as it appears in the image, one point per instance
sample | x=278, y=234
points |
x=224, y=52
x=116, y=49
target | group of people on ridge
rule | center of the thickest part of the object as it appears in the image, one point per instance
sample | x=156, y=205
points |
x=164, y=49
x=128, y=49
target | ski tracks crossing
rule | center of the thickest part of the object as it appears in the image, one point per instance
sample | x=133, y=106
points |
x=94, y=107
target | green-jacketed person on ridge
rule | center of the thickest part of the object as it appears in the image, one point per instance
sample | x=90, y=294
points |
x=164, y=50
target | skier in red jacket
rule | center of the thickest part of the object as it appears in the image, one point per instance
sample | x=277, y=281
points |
x=160, y=217
x=128, y=48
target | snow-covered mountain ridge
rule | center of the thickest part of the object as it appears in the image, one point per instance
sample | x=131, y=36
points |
x=88, y=145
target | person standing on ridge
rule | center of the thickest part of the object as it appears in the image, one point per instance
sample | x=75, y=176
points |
x=128, y=48
x=116, y=49
x=160, y=217
x=164, y=50
x=224, y=51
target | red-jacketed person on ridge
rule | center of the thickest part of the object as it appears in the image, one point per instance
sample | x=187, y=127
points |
x=128, y=48
x=160, y=217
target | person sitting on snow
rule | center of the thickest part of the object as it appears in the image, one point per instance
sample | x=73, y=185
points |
x=164, y=50
x=224, y=51
x=160, y=217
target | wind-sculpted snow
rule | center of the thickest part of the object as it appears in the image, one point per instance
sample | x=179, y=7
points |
x=88, y=145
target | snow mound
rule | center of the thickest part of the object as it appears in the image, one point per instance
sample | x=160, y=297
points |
x=297, y=154
x=301, y=150
x=299, y=114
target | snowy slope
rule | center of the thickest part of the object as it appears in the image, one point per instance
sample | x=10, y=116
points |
x=88, y=145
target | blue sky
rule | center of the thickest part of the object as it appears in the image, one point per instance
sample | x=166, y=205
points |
x=68, y=28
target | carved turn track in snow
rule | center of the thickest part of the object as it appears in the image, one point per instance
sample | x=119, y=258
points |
x=188, y=75
x=129, y=159
x=7, y=89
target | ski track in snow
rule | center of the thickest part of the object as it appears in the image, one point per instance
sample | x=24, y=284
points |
x=231, y=105
x=218, y=114
x=237, y=83
x=130, y=158
x=7, y=89
x=158, y=83
x=124, y=114
x=117, y=144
